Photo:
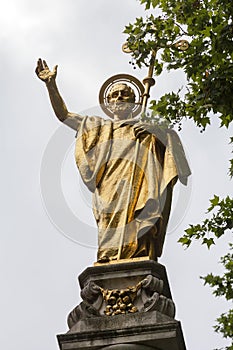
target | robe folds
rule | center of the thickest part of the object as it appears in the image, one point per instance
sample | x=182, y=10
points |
x=131, y=181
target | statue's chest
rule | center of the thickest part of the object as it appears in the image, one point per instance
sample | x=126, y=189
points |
x=123, y=132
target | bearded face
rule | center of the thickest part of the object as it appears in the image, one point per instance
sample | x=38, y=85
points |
x=121, y=99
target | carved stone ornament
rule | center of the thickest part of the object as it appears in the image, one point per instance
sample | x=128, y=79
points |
x=121, y=301
x=143, y=297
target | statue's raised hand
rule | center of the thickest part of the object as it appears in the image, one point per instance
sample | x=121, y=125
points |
x=44, y=73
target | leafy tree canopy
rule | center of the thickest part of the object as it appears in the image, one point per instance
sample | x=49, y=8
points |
x=208, y=63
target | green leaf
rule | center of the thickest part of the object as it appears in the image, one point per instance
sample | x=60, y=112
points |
x=184, y=241
x=208, y=242
x=215, y=200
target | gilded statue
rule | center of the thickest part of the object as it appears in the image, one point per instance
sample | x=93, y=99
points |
x=130, y=167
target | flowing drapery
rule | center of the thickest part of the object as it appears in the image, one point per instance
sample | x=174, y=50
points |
x=131, y=208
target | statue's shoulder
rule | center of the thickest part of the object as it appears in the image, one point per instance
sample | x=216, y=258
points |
x=173, y=136
x=95, y=122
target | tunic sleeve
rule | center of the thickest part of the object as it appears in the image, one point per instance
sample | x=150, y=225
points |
x=180, y=160
x=92, y=149
x=175, y=162
x=74, y=121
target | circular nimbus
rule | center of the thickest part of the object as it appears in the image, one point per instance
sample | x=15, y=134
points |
x=127, y=79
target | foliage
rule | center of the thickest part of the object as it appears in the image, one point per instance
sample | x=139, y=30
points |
x=208, y=65
x=214, y=227
x=223, y=284
x=211, y=229
x=224, y=287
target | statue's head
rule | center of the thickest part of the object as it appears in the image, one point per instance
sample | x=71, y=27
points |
x=121, y=99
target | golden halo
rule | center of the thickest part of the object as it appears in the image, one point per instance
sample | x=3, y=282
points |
x=131, y=81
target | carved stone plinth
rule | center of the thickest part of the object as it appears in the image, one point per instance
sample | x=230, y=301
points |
x=125, y=305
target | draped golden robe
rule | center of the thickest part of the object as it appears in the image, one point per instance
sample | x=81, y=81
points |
x=132, y=192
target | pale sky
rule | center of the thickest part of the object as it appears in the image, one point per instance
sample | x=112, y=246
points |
x=39, y=264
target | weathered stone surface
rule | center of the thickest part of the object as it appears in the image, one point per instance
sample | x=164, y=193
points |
x=151, y=329
x=129, y=273
x=136, y=287
x=150, y=326
x=128, y=347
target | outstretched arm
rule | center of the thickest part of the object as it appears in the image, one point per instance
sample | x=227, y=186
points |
x=49, y=77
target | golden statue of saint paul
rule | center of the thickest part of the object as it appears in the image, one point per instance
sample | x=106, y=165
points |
x=130, y=167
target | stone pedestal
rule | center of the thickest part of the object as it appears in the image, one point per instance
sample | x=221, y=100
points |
x=125, y=306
